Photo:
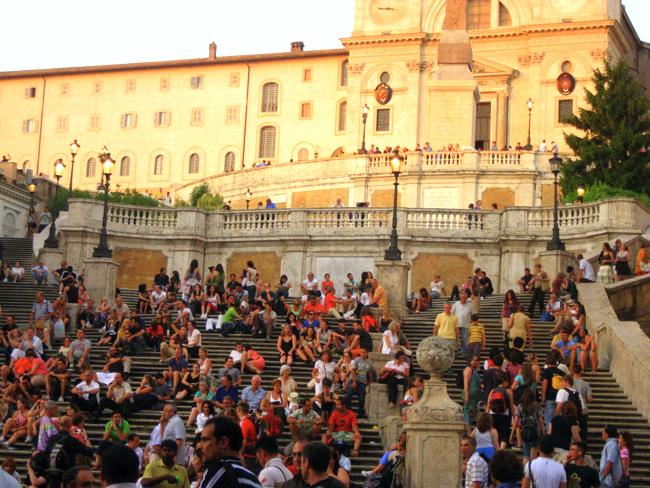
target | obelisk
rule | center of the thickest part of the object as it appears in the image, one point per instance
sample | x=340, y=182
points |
x=453, y=92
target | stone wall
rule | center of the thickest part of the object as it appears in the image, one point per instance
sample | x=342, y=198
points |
x=622, y=345
x=503, y=197
x=137, y=266
x=452, y=268
x=319, y=198
x=630, y=299
x=266, y=263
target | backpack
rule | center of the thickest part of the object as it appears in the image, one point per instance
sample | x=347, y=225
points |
x=58, y=462
x=519, y=391
x=574, y=397
x=529, y=428
x=498, y=400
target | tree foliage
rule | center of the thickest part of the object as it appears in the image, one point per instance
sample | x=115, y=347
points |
x=201, y=197
x=614, y=146
x=128, y=197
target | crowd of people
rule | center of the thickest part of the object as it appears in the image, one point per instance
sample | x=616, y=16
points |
x=510, y=400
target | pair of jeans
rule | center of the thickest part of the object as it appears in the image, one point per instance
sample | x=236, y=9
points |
x=549, y=411
x=361, y=396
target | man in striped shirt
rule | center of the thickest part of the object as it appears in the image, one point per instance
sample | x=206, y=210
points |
x=221, y=440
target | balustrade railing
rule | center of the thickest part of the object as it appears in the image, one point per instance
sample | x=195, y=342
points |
x=348, y=217
x=572, y=216
x=441, y=159
x=507, y=158
x=445, y=220
x=142, y=216
x=256, y=220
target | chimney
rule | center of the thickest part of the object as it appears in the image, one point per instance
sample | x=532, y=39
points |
x=213, y=51
x=297, y=46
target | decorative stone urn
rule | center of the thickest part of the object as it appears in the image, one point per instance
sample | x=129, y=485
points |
x=434, y=425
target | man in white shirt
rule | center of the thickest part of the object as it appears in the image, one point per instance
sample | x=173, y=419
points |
x=437, y=287
x=310, y=284
x=86, y=394
x=158, y=297
x=274, y=472
x=349, y=304
x=32, y=341
x=543, y=472
x=542, y=147
x=39, y=273
x=587, y=274
x=477, y=470
x=463, y=310
x=565, y=395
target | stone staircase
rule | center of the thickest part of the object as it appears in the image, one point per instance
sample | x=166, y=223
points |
x=610, y=402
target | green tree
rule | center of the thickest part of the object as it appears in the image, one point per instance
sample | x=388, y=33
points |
x=197, y=193
x=613, y=147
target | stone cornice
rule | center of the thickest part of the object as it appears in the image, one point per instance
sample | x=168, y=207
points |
x=387, y=39
x=14, y=191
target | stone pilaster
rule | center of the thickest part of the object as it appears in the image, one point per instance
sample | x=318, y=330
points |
x=554, y=262
x=434, y=424
x=101, y=277
x=393, y=277
x=52, y=258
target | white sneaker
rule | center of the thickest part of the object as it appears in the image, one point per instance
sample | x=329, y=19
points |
x=365, y=474
x=60, y=399
x=28, y=439
x=204, y=315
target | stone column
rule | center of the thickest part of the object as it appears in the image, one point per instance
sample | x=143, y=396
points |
x=393, y=276
x=554, y=262
x=101, y=278
x=502, y=119
x=52, y=258
x=434, y=425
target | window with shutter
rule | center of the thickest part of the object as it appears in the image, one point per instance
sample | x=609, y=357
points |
x=382, y=124
x=229, y=162
x=267, y=142
x=125, y=166
x=158, y=165
x=343, y=110
x=91, y=168
x=344, y=73
x=270, y=97
x=194, y=163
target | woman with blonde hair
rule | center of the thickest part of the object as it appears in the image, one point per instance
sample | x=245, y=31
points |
x=390, y=339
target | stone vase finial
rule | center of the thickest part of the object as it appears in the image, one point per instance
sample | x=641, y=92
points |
x=435, y=355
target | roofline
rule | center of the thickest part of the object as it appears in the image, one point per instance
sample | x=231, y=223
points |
x=177, y=63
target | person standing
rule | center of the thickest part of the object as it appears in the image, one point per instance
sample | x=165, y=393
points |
x=165, y=473
x=315, y=460
x=541, y=284
x=221, y=441
x=543, y=472
x=120, y=467
x=578, y=473
x=463, y=310
x=476, y=468
x=446, y=325
x=475, y=288
x=586, y=270
x=611, y=465
x=268, y=455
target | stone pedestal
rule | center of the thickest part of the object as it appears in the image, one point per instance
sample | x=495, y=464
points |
x=379, y=360
x=390, y=428
x=377, y=339
x=377, y=402
x=52, y=258
x=434, y=424
x=554, y=262
x=393, y=277
x=72, y=310
x=101, y=278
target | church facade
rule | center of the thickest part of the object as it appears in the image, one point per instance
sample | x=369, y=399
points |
x=173, y=124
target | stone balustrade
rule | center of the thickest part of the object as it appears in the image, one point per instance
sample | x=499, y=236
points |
x=612, y=215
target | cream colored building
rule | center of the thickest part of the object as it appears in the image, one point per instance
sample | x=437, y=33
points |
x=171, y=124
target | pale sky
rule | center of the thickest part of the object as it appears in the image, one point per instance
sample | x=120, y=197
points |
x=46, y=33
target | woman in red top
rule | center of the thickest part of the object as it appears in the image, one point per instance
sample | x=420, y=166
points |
x=252, y=360
x=330, y=303
x=249, y=434
x=368, y=321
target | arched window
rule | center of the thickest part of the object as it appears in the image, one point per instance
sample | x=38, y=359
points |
x=303, y=154
x=270, y=97
x=229, y=162
x=194, y=163
x=125, y=166
x=344, y=73
x=267, y=142
x=158, y=164
x=91, y=168
x=504, y=16
x=478, y=14
x=343, y=111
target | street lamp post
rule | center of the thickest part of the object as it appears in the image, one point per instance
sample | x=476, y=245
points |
x=364, y=119
x=51, y=241
x=74, y=149
x=555, y=244
x=108, y=163
x=393, y=253
x=529, y=146
x=248, y=196
x=32, y=189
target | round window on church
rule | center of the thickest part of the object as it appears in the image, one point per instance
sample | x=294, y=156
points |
x=384, y=77
x=567, y=67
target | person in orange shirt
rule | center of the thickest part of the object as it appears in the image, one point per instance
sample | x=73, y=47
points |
x=330, y=303
x=249, y=434
x=641, y=260
x=379, y=298
x=314, y=305
x=327, y=283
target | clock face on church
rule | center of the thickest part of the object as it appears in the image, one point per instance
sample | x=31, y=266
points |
x=568, y=6
x=384, y=12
